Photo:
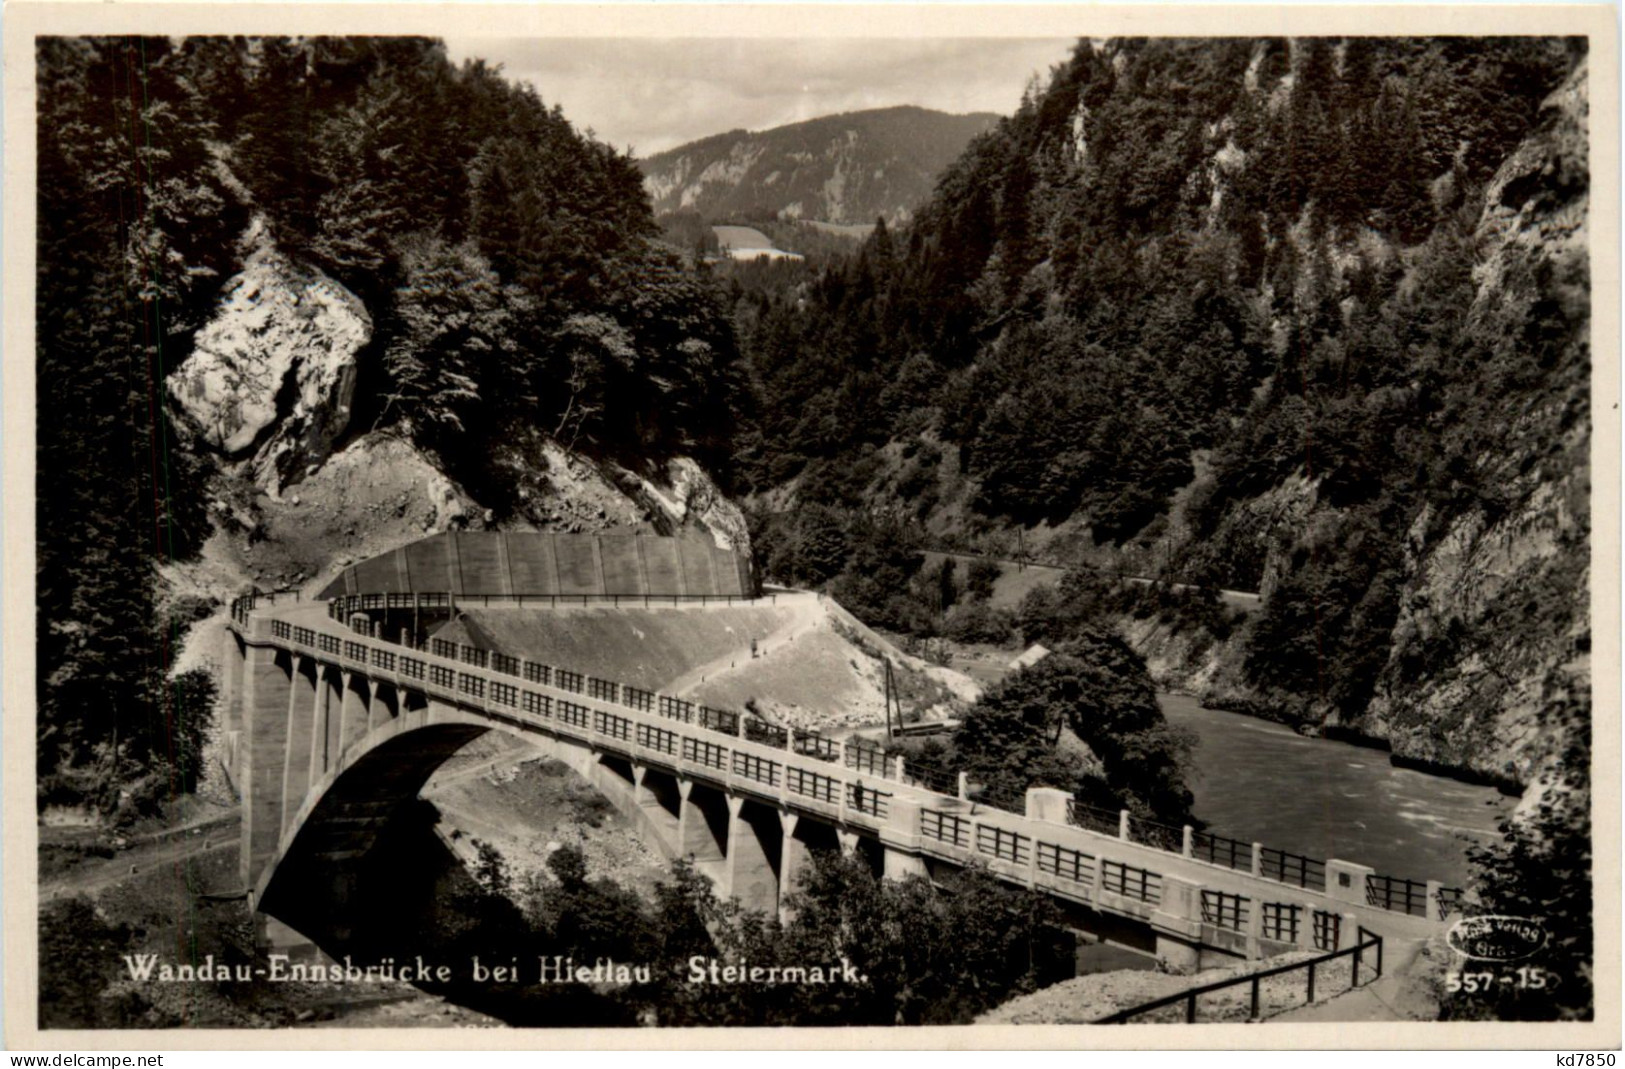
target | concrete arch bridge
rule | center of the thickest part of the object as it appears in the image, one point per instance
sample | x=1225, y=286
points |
x=335, y=728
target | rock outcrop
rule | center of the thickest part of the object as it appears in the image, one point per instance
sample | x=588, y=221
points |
x=272, y=375
x=1490, y=662
x=690, y=497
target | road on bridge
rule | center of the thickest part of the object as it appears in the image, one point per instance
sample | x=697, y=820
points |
x=1245, y=600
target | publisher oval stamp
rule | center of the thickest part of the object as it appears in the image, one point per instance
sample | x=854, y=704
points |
x=1496, y=938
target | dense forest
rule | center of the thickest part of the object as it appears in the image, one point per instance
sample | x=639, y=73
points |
x=845, y=168
x=1308, y=318
x=1225, y=311
x=510, y=266
x=1184, y=275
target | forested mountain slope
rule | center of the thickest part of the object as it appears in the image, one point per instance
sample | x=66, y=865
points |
x=848, y=168
x=1309, y=318
x=300, y=297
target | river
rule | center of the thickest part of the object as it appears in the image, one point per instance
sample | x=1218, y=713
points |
x=1261, y=782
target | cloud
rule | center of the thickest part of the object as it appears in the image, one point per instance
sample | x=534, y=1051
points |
x=651, y=95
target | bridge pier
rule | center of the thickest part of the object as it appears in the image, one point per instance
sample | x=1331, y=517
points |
x=703, y=814
x=354, y=712
x=329, y=688
x=266, y=679
x=318, y=720
x=794, y=857
x=235, y=653
x=657, y=796
x=299, y=755
x=386, y=705
x=753, y=857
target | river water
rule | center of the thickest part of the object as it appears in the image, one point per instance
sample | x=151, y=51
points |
x=1261, y=782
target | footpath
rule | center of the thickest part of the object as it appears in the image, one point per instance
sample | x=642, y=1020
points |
x=1399, y=995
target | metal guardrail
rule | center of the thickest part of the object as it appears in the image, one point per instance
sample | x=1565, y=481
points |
x=1066, y=863
x=1278, y=921
x=1225, y=910
x=1327, y=928
x=812, y=744
x=1218, y=850
x=1009, y=800
x=244, y=604
x=866, y=757
x=1131, y=881
x=1295, y=869
x=1367, y=940
x=1157, y=836
x=945, y=827
x=935, y=780
x=1093, y=818
x=1397, y=895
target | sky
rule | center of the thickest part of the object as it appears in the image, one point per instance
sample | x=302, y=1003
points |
x=652, y=95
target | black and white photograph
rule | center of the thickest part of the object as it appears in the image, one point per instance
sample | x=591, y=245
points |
x=911, y=532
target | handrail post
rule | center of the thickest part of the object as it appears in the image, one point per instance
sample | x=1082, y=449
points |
x=1190, y=1009
x=1254, y=1014
x=1122, y=824
x=1311, y=981
x=1186, y=842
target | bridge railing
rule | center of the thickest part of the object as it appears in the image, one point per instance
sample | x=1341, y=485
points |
x=1397, y=894
x=1218, y=850
x=867, y=757
x=1155, y=835
x=936, y=780
x=1280, y=922
x=1094, y=817
x=246, y=603
x=813, y=744
x=341, y=607
x=1223, y=909
x=1009, y=799
x=1382, y=892
x=1367, y=941
x=868, y=761
x=1295, y=869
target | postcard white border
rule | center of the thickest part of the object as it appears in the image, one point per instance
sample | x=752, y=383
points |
x=20, y=884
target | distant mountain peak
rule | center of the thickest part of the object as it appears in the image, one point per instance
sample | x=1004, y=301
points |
x=847, y=168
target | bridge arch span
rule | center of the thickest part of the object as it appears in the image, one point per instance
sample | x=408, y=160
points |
x=311, y=879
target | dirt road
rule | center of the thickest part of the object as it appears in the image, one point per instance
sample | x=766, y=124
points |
x=97, y=874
